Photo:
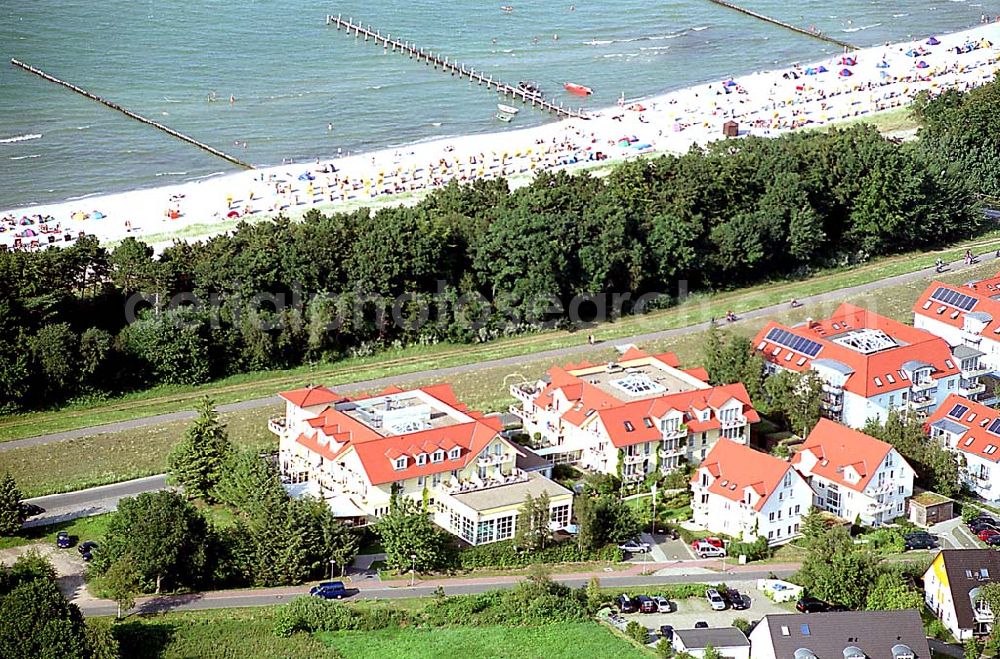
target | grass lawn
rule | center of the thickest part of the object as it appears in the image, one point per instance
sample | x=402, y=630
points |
x=118, y=456
x=85, y=528
x=697, y=308
x=571, y=640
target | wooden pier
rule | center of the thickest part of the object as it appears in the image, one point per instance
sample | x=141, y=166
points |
x=454, y=68
x=132, y=115
x=787, y=26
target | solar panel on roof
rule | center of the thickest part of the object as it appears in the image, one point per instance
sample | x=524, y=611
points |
x=994, y=427
x=958, y=411
x=953, y=298
x=793, y=342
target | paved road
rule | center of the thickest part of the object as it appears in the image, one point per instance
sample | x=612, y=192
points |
x=92, y=501
x=763, y=312
x=373, y=590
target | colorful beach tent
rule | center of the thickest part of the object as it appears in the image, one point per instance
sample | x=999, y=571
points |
x=882, y=65
x=922, y=64
x=912, y=53
x=729, y=83
x=846, y=73
x=933, y=41
x=98, y=215
x=811, y=71
x=848, y=61
x=822, y=69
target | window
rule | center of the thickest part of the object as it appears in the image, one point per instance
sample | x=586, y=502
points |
x=796, y=509
x=560, y=515
x=770, y=535
x=436, y=479
x=647, y=422
x=455, y=453
x=400, y=463
x=505, y=527
x=420, y=481
x=437, y=456
x=421, y=459
x=498, y=449
x=485, y=531
x=628, y=426
x=770, y=517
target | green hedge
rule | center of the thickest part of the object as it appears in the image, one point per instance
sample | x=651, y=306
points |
x=504, y=555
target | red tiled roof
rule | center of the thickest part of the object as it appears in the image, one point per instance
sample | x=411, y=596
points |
x=955, y=317
x=309, y=396
x=914, y=345
x=377, y=457
x=736, y=467
x=697, y=372
x=837, y=447
x=972, y=419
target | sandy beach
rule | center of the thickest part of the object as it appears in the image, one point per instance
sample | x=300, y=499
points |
x=841, y=88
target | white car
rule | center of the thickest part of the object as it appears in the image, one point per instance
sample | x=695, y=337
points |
x=707, y=550
x=715, y=599
x=635, y=547
x=663, y=605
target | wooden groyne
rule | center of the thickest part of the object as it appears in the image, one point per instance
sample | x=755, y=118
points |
x=132, y=115
x=787, y=26
x=454, y=68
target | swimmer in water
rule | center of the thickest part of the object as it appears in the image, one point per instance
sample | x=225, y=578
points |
x=232, y=98
x=555, y=37
x=329, y=127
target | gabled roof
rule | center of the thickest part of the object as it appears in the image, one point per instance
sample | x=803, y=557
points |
x=312, y=395
x=974, y=438
x=951, y=303
x=377, y=456
x=867, y=375
x=838, y=447
x=827, y=635
x=964, y=568
x=737, y=467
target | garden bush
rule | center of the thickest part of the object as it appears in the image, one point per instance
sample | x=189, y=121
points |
x=312, y=614
x=504, y=555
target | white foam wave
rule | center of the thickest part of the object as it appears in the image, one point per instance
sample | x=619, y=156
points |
x=20, y=138
x=699, y=29
x=171, y=173
x=85, y=196
x=83, y=127
x=859, y=29
x=655, y=48
x=33, y=155
x=213, y=174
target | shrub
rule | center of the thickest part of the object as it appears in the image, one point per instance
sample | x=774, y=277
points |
x=885, y=541
x=936, y=629
x=754, y=551
x=504, y=555
x=743, y=625
x=312, y=614
x=664, y=649
x=637, y=632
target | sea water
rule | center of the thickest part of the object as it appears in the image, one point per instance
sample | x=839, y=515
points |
x=304, y=91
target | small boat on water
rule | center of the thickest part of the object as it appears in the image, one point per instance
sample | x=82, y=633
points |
x=579, y=90
x=530, y=89
x=506, y=113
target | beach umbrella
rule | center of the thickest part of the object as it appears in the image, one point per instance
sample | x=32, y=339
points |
x=98, y=215
x=730, y=83
x=822, y=69
x=811, y=72
x=933, y=41
x=844, y=73
x=922, y=64
x=912, y=53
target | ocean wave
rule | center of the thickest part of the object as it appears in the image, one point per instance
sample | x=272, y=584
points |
x=85, y=196
x=376, y=87
x=435, y=123
x=859, y=29
x=656, y=37
x=171, y=173
x=654, y=48
x=213, y=174
x=171, y=100
x=899, y=15
x=83, y=127
x=33, y=155
x=20, y=138
x=699, y=29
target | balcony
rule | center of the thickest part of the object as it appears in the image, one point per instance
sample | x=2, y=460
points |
x=637, y=458
x=733, y=422
x=919, y=403
x=833, y=388
x=524, y=392
x=879, y=507
x=277, y=425
x=924, y=385
x=971, y=389
x=493, y=459
x=832, y=404
x=974, y=370
x=520, y=413
x=516, y=476
x=672, y=452
x=674, y=433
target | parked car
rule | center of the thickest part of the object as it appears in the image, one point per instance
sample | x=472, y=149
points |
x=30, y=510
x=701, y=624
x=981, y=519
x=86, y=549
x=987, y=533
x=920, y=534
x=993, y=541
x=706, y=550
x=663, y=605
x=715, y=542
x=634, y=547
x=329, y=590
x=667, y=632
x=735, y=599
x=626, y=604
x=63, y=541
x=811, y=605
x=715, y=600
x=646, y=604
x=983, y=524
x=920, y=542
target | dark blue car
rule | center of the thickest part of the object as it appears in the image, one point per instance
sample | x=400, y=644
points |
x=329, y=590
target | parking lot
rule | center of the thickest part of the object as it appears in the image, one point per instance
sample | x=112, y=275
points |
x=689, y=611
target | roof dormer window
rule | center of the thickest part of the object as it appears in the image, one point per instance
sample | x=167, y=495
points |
x=421, y=459
x=455, y=453
x=400, y=463
x=437, y=456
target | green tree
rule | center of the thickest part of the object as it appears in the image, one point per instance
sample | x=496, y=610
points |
x=710, y=652
x=604, y=519
x=890, y=593
x=54, y=349
x=796, y=397
x=813, y=524
x=837, y=571
x=743, y=625
x=121, y=581
x=936, y=469
x=197, y=462
x=11, y=513
x=990, y=594
x=411, y=540
x=532, y=532
x=164, y=536
x=249, y=484
x=595, y=598
x=637, y=632
x=39, y=623
x=973, y=648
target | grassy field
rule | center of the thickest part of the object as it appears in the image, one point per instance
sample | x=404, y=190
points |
x=697, y=308
x=85, y=528
x=583, y=639
x=112, y=457
x=247, y=634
